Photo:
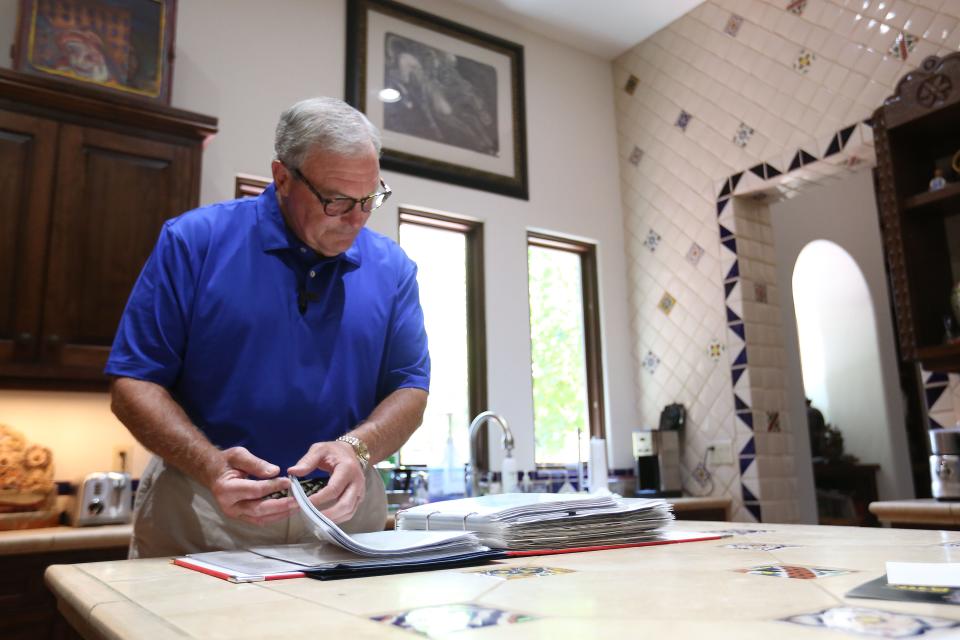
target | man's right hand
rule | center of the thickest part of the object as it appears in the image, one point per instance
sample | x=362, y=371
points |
x=242, y=498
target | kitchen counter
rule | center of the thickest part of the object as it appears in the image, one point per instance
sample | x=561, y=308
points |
x=64, y=539
x=921, y=513
x=691, y=590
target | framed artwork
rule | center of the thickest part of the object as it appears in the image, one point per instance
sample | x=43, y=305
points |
x=448, y=99
x=123, y=46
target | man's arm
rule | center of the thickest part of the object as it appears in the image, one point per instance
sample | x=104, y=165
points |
x=390, y=424
x=160, y=424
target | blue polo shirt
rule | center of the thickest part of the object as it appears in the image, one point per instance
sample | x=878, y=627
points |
x=215, y=317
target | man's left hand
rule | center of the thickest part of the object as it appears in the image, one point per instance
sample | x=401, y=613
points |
x=347, y=485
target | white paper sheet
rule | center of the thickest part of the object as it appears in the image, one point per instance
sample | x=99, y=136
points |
x=924, y=574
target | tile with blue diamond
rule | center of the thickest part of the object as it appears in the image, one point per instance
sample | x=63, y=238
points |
x=635, y=156
x=757, y=546
x=434, y=622
x=516, y=573
x=733, y=25
x=652, y=240
x=876, y=623
x=650, y=362
x=631, y=86
x=683, y=120
x=667, y=303
x=804, y=60
x=715, y=350
x=793, y=571
x=740, y=532
x=694, y=254
x=743, y=135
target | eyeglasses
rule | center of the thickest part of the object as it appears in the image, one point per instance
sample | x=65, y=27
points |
x=341, y=206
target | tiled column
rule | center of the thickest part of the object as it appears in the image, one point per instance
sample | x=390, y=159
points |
x=763, y=438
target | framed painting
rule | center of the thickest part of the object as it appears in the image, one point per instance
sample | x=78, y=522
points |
x=448, y=99
x=123, y=46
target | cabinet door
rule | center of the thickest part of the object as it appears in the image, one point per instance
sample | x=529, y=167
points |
x=27, y=153
x=113, y=193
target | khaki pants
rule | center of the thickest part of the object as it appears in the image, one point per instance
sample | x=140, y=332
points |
x=175, y=515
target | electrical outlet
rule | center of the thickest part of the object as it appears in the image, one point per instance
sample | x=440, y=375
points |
x=122, y=454
x=722, y=452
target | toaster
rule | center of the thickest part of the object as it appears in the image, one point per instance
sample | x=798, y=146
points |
x=103, y=498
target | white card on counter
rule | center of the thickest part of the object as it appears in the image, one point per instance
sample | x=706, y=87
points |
x=924, y=574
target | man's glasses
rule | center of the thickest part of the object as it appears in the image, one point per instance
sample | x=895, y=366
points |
x=341, y=206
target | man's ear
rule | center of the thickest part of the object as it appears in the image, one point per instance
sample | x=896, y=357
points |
x=281, y=177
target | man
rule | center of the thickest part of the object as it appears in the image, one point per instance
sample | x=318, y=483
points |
x=271, y=336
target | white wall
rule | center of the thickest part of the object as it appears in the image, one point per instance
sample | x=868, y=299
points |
x=243, y=61
x=845, y=213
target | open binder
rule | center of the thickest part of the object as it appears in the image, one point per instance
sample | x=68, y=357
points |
x=451, y=534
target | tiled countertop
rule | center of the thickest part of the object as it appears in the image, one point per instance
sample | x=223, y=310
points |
x=64, y=539
x=692, y=590
x=920, y=511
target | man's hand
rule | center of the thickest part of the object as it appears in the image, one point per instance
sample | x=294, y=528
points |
x=242, y=498
x=347, y=485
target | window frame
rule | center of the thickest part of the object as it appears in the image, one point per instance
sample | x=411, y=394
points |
x=476, y=307
x=593, y=351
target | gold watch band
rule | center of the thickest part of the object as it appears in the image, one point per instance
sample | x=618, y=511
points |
x=359, y=448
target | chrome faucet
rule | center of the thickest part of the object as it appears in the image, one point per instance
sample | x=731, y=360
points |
x=474, y=429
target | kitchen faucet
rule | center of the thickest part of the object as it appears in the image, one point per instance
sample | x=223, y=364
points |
x=474, y=429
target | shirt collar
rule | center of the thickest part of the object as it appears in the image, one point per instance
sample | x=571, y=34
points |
x=276, y=236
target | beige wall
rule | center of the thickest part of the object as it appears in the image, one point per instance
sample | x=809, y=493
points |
x=243, y=61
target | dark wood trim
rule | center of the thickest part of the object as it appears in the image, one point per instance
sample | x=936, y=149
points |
x=18, y=89
x=476, y=306
x=593, y=350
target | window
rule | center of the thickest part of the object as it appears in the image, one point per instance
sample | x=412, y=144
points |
x=565, y=348
x=449, y=256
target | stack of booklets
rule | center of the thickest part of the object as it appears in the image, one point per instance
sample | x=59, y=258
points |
x=454, y=533
x=537, y=521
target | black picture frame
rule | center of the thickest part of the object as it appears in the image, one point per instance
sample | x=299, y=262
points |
x=459, y=109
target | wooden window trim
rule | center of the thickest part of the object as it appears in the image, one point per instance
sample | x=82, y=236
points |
x=591, y=321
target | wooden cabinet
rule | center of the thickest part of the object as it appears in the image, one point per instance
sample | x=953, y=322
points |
x=86, y=181
x=916, y=131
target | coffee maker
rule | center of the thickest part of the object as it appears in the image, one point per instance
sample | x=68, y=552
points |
x=658, y=456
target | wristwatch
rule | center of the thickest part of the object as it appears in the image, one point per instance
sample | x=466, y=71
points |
x=359, y=448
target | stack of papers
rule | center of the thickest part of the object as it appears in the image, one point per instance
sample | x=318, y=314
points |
x=532, y=521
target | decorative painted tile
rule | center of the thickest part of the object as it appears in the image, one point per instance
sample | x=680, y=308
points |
x=701, y=475
x=792, y=571
x=733, y=25
x=650, y=362
x=804, y=60
x=694, y=254
x=796, y=7
x=903, y=46
x=875, y=623
x=448, y=618
x=757, y=546
x=667, y=303
x=739, y=532
x=515, y=573
x=631, y=86
x=773, y=421
x=683, y=120
x=760, y=292
x=652, y=240
x=715, y=350
x=743, y=135
x=635, y=156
